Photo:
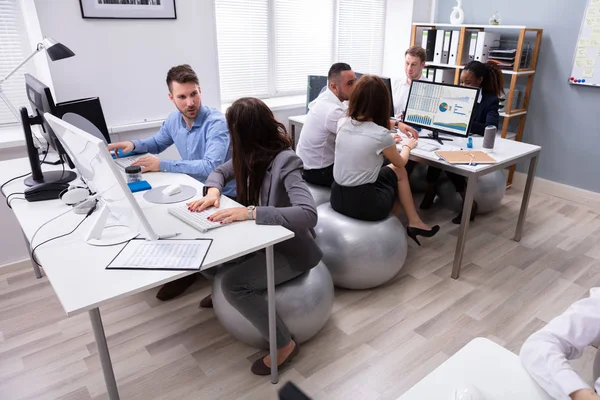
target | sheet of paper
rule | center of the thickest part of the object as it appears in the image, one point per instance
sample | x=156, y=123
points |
x=581, y=52
x=584, y=42
x=590, y=62
x=588, y=73
x=162, y=255
x=581, y=62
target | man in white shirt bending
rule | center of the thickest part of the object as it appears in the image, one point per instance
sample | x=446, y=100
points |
x=413, y=68
x=316, y=146
x=546, y=353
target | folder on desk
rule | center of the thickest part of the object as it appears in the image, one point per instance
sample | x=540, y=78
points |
x=465, y=157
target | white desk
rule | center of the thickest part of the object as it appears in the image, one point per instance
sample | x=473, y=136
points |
x=295, y=122
x=506, y=152
x=492, y=369
x=77, y=271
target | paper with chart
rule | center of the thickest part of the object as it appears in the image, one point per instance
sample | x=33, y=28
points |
x=162, y=254
x=586, y=64
x=445, y=108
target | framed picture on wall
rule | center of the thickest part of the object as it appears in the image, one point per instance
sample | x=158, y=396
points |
x=128, y=9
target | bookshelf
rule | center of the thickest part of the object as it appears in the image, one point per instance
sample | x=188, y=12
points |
x=513, y=114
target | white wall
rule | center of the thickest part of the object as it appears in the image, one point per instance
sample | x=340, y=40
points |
x=397, y=36
x=125, y=62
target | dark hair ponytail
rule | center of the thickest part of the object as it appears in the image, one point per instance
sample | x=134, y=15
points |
x=493, y=80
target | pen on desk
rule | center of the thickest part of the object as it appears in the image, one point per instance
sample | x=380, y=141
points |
x=169, y=235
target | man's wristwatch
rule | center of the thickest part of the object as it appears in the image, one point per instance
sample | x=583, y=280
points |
x=250, y=210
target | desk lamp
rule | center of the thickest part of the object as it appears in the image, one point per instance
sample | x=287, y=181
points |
x=56, y=51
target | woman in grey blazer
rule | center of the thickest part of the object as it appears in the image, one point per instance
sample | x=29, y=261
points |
x=269, y=184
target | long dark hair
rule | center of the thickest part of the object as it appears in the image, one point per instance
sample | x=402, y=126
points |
x=256, y=138
x=493, y=80
x=370, y=100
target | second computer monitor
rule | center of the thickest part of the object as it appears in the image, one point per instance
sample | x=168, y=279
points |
x=440, y=107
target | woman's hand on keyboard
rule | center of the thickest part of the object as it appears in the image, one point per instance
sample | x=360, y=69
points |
x=230, y=215
x=410, y=142
x=210, y=200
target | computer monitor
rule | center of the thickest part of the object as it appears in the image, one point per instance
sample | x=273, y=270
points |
x=388, y=84
x=440, y=107
x=40, y=99
x=315, y=86
x=120, y=217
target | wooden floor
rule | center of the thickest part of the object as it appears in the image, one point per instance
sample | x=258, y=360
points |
x=376, y=345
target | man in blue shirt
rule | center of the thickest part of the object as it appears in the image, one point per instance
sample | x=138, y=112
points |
x=201, y=136
x=199, y=133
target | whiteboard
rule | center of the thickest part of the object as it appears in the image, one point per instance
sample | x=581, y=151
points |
x=586, y=62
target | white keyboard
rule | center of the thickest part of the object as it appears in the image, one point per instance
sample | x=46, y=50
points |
x=126, y=161
x=197, y=220
x=422, y=145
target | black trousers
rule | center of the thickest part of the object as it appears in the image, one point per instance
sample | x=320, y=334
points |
x=320, y=177
x=433, y=174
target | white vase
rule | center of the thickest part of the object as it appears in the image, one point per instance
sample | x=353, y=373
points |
x=457, y=16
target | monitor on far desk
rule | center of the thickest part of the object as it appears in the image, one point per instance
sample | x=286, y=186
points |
x=441, y=108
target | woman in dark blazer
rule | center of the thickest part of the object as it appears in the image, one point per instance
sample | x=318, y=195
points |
x=268, y=176
x=489, y=78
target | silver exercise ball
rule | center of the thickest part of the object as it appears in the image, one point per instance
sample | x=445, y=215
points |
x=360, y=254
x=490, y=191
x=304, y=304
x=418, y=178
x=321, y=194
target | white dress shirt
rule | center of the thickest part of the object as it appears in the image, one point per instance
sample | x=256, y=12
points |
x=316, y=146
x=546, y=353
x=400, y=93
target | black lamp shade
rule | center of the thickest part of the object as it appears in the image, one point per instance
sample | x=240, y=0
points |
x=59, y=51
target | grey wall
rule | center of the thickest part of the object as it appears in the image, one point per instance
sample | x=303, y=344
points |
x=563, y=119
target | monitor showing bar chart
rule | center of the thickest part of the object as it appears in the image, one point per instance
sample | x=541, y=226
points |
x=441, y=107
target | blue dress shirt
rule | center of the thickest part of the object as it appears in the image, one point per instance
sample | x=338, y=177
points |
x=203, y=147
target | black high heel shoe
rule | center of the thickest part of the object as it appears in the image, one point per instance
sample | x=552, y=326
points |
x=414, y=232
x=457, y=220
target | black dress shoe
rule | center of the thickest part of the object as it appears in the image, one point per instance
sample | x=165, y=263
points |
x=427, y=201
x=173, y=289
x=458, y=218
x=414, y=232
x=260, y=368
x=206, y=302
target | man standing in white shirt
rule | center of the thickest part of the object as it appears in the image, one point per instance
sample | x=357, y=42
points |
x=413, y=67
x=546, y=353
x=316, y=146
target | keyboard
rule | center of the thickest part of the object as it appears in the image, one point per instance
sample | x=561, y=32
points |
x=126, y=161
x=427, y=146
x=197, y=220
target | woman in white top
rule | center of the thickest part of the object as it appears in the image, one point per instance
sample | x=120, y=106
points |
x=364, y=188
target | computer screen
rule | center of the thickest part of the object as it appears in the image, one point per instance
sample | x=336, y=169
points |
x=388, y=84
x=41, y=101
x=98, y=170
x=441, y=107
x=315, y=86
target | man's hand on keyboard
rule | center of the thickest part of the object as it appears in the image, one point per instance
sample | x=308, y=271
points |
x=148, y=163
x=210, y=200
x=125, y=147
x=408, y=130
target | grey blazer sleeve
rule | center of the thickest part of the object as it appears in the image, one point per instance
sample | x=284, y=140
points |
x=219, y=177
x=302, y=213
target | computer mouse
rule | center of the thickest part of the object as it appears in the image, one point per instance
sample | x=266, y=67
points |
x=45, y=191
x=467, y=392
x=172, y=189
